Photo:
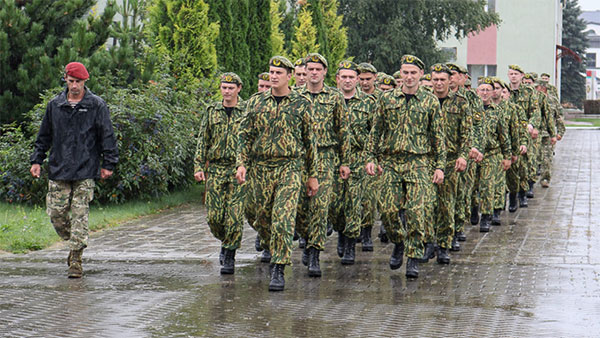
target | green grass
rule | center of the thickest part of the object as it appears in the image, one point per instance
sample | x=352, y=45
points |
x=25, y=228
x=594, y=122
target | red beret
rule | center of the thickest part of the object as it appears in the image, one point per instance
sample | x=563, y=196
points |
x=76, y=69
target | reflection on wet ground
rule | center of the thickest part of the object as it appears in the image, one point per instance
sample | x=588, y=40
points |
x=537, y=275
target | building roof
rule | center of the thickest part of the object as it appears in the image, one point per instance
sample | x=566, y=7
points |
x=591, y=16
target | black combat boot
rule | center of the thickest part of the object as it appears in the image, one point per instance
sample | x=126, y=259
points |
x=296, y=236
x=512, y=202
x=530, y=191
x=329, y=228
x=266, y=256
x=314, y=269
x=222, y=256
x=412, y=268
x=305, y=256
x=442, y=256
x=475, y=214
x=485, y=223
x=383, y=237
x=367, y=242
x=301, y=243
x=277, y=281
x=455, y=245
x=341, y=243
x=428, y=253
x=522, y=199
x=349, y=251
x=228, y=263
x=257, y=245
x=496, y=217
x=460, y=236
x=397, y=256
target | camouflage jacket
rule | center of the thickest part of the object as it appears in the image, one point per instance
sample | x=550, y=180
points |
x=497, y=130
x=276, y=134
x=516, y=121
x=525, y=96
x=459, y=123
x=478, y=137
x=362, y=108
x=558, y=114
x=548, y=125
x=402, y=127
x=332, y=121
x=376, y=94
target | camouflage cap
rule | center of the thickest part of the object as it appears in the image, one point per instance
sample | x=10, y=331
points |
x=231, y=78
x=534, y=75
x=545, y=74
x=455, y=67
x=388, y=80
x=397, y=75
x=489, y=80
x=281, y=61
x=408, y=59
x=468, y=82
x=317, y=58
x=440, y=68
x=541, y=82
x=366, y=67
x=517, y=68
x=300, y=62
x=264, y=76
x=346, y=64
x=426, y=77
x=529, y=76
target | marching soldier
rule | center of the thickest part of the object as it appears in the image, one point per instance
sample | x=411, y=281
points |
x=263, y=82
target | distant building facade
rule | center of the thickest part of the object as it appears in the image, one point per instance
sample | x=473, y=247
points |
x=592, y=54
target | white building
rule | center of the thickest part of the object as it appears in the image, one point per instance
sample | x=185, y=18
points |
x=592, y=54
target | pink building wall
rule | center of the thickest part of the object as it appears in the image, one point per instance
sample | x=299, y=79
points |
x=481, y=48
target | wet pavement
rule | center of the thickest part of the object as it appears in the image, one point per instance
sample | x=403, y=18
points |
x=537, y=275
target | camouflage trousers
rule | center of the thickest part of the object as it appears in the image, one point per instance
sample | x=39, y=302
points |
x=276, y=191
x=534, y=159
x=466, y=184
x=67, y=204
x=249, y=201
x=369, y=200
x=446, y=206
x=500, y=191
x=517, y=175
x=345, y=212
x=547, y=156
x=406, y=184
x=224, y=205
x=489, y=173
x=313, y=212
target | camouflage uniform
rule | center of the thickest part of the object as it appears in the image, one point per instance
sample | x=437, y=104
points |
x=553, y=126
x=281, y=141
x=217, y=145
x=347, y=206
x=408, y=141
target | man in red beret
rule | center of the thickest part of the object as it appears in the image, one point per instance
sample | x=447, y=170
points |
x=78, y=132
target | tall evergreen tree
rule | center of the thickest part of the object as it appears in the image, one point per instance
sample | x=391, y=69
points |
x=259, y=38
x=37, y=39
x=572, y=84
x=241, y=65
x=336, y=35
x=305, y=35
x=277, y=36
x=316, y=9
x=221, y=12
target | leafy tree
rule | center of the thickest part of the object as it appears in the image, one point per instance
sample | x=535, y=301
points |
x=381, y=31
x=37, y=39
x=305, y=36
x=572, y=85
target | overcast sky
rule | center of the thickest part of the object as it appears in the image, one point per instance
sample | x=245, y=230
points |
x=589, y=5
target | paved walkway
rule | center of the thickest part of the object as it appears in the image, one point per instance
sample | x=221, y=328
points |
x=537, y=275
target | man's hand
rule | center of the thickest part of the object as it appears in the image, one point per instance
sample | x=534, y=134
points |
x=523, y=149
x=344, y=172
x=438, y=176
x=379, y=170
x=105, y=173
x=461, y=165
x=505, y=164
x=513, y=159
x=559, y=137
x=553, y=140
x=476, y=155
x=199, y=176
x=534, y=133
x=35, y=170
x=240, y=175
x=370, y=169
x=312, y=186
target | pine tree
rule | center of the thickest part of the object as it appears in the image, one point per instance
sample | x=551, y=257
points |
x=259, y=39
x=221, y=13
x=277, y=36
x=241, y=58
x=337, y=39
x=316, y=9
x=37, y=39
x=305, y=35
x=572, y=84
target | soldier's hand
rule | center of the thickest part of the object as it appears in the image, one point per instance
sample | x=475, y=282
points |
x=379, y=170
x=344, y=172
x=529, y=128
x=514, y=159
x=476, y=155
x=559, y=137
x=523, y=150
x=505, y=165
x=199, y=176
x=240, y=175
x=461, y=165
x=534, y=133
x=370, y=168
x=312, y=186
x=438, y=176
x=105, y=173
x=553, y=140
x=35, y=170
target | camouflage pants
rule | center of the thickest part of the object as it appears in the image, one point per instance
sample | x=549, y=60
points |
x=369, y=200
x=345, y=211
x=534, y=159
x=313, y=212
x=466, y=183
x=249, y=202
x=547, y=155
x=489, y=173
x=517, y=175
x=500, y=191
x=446, y=206
x=276, y=192
x=224, y=204
x=406, y=184
x=67, y=204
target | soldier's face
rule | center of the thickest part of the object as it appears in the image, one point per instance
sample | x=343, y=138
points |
x=497, y=91
x=505, y=94
x=263, y=85
x=347, y=80
x=441, y=82
x=545, y=78
x=75, y=86
x=367, y=81
x=485, y=92
x=279, y=76
x=454, y=80
x=384, y=87
x=300, y=75
x=399, y=82
x=411, y=75
x=514, y=76
x=528, y=81
x=316, y=72
x=229, y=91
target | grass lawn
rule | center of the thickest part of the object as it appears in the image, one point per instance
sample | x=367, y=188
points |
x=24, y=228
x=594, y=122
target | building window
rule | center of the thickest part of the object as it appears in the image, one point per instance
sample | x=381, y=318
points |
x=477, y=71
x=491, y=6
x=450, y=53
x=590, y=60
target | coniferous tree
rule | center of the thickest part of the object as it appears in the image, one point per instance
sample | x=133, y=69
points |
x=277, y=36
x=242, y=50
x=572, y=84
x=259, y=38
x=221, y=12
x=305, y=35
x=336, y=35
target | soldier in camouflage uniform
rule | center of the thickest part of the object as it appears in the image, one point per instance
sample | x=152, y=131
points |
x=407, y=145
x=217, y=145
x=77, y=130
x=497, y=154
x=426, y=82
x=277, y=133
x=263, y=82
x=367, y=75
x=552, y=90
x=300, y=74
x=526, y=98
x=386, y=82
x=333, y=142
x=554, y=128
x=346, y=210
x=398, y=77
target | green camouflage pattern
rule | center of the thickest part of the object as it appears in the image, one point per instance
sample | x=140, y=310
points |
x=67, y=204
x=527, y=98
x=516, y=176
x=224, y=205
